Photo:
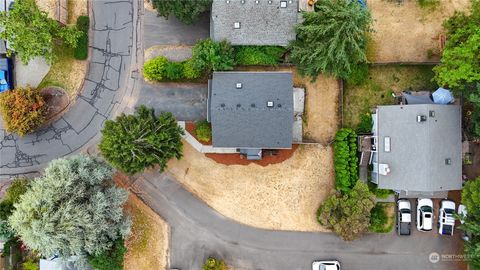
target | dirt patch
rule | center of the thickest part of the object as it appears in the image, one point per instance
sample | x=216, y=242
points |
x=56, y=99
x=282, y=196
x=406, y=32
x=148, y=243
x=190, y=128
x=269, y=157
x=47, y=6
x=76, y=8
x=176, y=53
x=321, y=103
x=148, y=5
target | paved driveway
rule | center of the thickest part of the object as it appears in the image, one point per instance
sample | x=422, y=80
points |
x=186, y=101
x=197, y=232
x=160, y=31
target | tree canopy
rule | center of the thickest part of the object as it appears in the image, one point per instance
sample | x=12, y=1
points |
x=132, y=143
x=73, y=209
x=459, y=68
x=332, y=39
x=186, y=11
x=209, y=55
x=471, y=200
x=31, y=33
x=348, y=215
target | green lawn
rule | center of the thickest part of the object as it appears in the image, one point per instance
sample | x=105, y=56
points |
x=382, y=81
x=382, y=218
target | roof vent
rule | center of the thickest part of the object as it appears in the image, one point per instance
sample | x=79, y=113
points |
x=228, y=1
x=238, y=105
x=238, y=85
x=431, y=113
x=421, y=118
x=256, y=1
x=222, y=105
x=236, y=25
x=279, y=105
x=243, y=1
x=283, y=4
x=252, y=105
x=448, y=161
x=270, y=104
x=269, y=1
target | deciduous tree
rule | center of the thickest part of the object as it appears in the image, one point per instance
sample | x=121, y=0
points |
x=348, y=215
x=73, y=209
x=332, y=39
x=132, y=143
x=471, y=200
x=31, y=33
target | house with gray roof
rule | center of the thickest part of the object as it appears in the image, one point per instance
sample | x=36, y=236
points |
x=417, y=150
x=254, y=22
x=251, y=110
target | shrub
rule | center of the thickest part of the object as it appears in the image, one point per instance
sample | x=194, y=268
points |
x=209, y=55
x=345, y=159
x=111, y=259
x=259, y=55
x=380, y=193
x=30, y=265
x=173, y=71
x=378, y=219
x=190, y=72
x=83, y=23
x=348, y=215
x=81, y=51
x=154, y=69
x=359, y=74
x=332, y=39
x=428, y=3
x=366, y=123
x=23, y=110
x=203, y=131
x=134, y=142
x=214, y=264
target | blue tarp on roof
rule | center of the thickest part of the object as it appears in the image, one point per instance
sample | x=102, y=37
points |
x=443, y=96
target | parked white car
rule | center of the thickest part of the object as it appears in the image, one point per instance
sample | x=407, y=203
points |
x=326, y=265
x=404, y=217
x=424, y=215
x=446, y=221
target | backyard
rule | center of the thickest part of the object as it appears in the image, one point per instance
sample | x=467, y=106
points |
x=378, y=87
x=408, y=32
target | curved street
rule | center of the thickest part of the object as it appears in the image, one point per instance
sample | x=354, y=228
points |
x=197, y=231
x=109, y=87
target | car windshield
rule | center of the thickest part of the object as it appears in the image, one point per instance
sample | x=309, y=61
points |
x=405, y=211
x=426, y=209
x=449, y=211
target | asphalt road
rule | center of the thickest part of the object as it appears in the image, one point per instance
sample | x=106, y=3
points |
x=109, y=89
x=197, y=231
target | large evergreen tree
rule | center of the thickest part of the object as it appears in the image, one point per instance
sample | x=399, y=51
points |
x=186, y=11
x=132, y=143
x=31, y=33
x=332, y=39
x=73, y=209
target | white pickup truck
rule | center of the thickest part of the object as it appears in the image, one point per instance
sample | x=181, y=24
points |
x=404, y=217
x=446, y=221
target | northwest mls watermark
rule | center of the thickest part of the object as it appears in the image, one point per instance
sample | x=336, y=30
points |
x=434, y=257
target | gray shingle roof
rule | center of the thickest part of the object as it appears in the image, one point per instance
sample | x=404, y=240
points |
x=240, y=118
x=417, y=158
x=262, y=23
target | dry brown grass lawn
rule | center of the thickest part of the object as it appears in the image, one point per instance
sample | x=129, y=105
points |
x=283, y=196
x=321, y=103
x=148, y=243
x=405, y=32
x=76, y=8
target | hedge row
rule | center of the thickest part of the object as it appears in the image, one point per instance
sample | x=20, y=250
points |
x=209, y=56
x=81, y=51
x=161, y=69
x=345, y=159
